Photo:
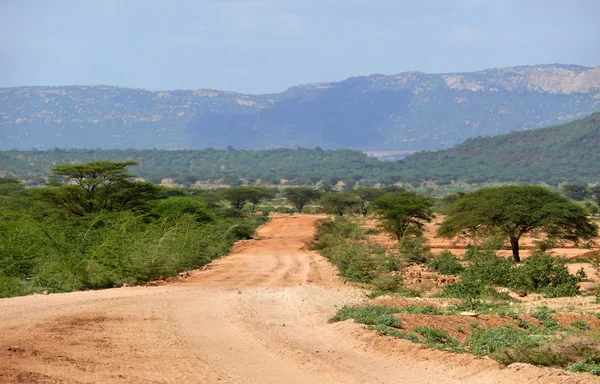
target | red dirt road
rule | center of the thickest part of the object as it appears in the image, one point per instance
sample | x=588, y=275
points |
x=258, y=315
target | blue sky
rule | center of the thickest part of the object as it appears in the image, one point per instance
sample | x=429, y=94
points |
x=263, y=46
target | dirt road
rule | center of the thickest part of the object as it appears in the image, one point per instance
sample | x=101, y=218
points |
x=258, y=315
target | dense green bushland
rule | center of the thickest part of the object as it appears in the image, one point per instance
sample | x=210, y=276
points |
x=44, y=246
x=300, y=166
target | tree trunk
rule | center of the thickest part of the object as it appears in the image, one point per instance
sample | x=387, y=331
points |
x=514, y=244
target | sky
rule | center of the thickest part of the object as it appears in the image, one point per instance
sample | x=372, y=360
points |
x=267, y=46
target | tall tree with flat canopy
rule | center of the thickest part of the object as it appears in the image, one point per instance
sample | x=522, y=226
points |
x=403, y=213
x=516, y=211
x=301, y=196
x=97, y=186
x=367, y=195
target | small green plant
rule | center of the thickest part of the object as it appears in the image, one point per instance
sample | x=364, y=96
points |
x=469, y=291
x=489, y=341
x=388, y=283
x=581, y=325
x=421, y=310
x=593, y=368
x=544, y=315
x=524, y=324
x=436, y=337
x=369, y=315
x=394, y=332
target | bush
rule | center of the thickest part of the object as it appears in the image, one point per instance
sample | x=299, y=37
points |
x=388, y=283
x=489, y=269
x=469, y=291
x=241, y=231
x=446, y=264
x=592, y=368
x=370, y=315
x=415, y=250
x=483, y=342
x=436, y=337
x=545, y=274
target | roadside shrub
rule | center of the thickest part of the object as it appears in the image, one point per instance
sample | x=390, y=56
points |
x=544, y=315
x=394, y=332
x=594, y=369
x=388, y=283
x=545, y=274
x=489, y=269
x=241, y=231
x=369, y=315
x=581, y=325
x=483, y=342
x=415, y=250
x=469, y=291
x=9, y=287
x=446, y=264
x=421, y=310
x=562, y=350
x=436, y=337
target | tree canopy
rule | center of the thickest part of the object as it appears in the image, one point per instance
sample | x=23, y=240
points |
x=366, y=196
x=339, y=202
x=240, y=196
x=97, y=186
x=301, y=196
x=515, y=211
x=403, y=213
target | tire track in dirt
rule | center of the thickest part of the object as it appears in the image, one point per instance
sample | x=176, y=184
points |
x=258, y=315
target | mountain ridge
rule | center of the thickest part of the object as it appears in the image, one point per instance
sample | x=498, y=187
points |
x=406, y=111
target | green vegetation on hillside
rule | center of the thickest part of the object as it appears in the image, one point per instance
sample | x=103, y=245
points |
x=553, y=155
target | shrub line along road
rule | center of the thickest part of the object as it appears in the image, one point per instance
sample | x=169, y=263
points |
x=258, y=315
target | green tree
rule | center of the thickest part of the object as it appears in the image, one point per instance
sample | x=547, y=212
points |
x=253, y=194
x=258, y=193
x=301, y=196
x=97, y=186
x=576, y=191
x=404, y=213
x=339, y=202
x=367, y=196
x=595, y=194
x=515, y=211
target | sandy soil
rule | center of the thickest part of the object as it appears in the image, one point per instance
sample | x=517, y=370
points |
x=258, y=315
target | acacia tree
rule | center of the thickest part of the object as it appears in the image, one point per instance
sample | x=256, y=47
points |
x=339, y=202
x=404, y=213
x=253, y=194
x=515, y=211
x=301, y=196
x=367, y=196
x=97, y=186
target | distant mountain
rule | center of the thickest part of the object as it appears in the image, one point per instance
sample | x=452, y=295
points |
x=408, y=111
x=568, y=152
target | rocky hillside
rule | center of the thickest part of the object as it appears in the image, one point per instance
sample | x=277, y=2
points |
x=408, y=111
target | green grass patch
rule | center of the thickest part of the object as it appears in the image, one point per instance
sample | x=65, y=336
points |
x=369, y=315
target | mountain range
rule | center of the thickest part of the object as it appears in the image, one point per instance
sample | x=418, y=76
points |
x=410, y=111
